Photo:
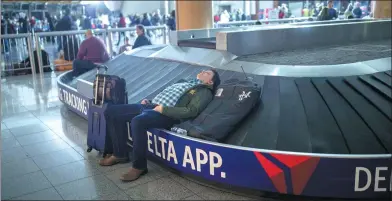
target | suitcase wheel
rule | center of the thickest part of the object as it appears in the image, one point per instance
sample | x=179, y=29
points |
x=89, y=149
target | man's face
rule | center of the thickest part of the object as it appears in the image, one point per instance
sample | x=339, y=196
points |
x=206, y=76
x=330, y=4
x=139, y=32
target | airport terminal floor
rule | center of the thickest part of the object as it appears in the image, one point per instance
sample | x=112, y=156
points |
x=43, y=154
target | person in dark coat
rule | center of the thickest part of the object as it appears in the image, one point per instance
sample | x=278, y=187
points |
x=65, y=24
x=45, y=62
x=86, y=23
x=50, y=21
x=171, y=22
x=121, y=24
x=141, y=39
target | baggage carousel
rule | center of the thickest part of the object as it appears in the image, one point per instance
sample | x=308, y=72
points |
x=319, y=131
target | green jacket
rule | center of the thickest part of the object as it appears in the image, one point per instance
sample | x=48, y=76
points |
x=191, y=103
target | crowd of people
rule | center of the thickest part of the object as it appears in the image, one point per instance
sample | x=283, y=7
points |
x=68, y=46
x=19, y=23
x=322, y=11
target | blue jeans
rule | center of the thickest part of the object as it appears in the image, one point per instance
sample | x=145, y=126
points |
x=141, y=118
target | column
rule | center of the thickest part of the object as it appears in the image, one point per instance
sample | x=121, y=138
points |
x=381, y=9
x=194, y=15
x=166, y=7
x=247, y=7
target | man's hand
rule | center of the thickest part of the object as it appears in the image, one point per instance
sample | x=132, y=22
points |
x=145, y=102
x=158, y=108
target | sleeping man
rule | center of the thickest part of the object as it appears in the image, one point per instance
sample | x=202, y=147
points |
x=181, y=101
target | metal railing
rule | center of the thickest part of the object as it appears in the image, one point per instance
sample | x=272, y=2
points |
x=50, y=46
x=22, y=58
x=262, y=21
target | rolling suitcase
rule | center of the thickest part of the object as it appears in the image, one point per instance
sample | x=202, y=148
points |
x=108, y=89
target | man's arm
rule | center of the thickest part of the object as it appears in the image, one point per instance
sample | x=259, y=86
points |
x=198, y=103
x=82, y=51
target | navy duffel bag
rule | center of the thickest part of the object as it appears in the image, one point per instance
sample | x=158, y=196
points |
x=234, y=100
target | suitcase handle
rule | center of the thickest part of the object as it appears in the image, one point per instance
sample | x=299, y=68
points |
x=103, y=87
x=102, y=66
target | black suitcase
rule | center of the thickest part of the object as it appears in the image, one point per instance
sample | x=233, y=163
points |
x=96, y=136
x=233, y=101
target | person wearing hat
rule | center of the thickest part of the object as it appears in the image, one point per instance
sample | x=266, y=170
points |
x=91, y=51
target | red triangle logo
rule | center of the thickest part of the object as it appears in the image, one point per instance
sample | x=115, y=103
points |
x=274, y=173
x=301, y=169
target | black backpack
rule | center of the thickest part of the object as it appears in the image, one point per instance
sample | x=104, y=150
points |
x=234, y=99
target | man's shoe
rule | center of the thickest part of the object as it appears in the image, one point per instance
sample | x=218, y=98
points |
x=112, y=160
x=133, y=174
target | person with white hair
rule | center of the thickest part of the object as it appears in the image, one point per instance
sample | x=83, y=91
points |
x=225, y=16
x=357, y=12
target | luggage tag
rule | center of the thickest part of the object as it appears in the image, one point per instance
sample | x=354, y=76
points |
x=219, y=92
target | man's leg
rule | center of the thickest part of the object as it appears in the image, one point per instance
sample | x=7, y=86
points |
x=139, y=126
x=116, y=142
x=81, y=66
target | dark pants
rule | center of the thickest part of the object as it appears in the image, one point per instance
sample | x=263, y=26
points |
x=119, y=37
x=141, y=118
x=81, y=66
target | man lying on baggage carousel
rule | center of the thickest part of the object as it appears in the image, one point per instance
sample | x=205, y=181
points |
x=181, y=101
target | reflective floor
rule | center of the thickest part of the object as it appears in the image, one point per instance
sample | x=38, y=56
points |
x=43, y=154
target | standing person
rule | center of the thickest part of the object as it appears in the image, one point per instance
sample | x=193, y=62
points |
x=50, y=21
x=332, y=14
x=121, y=24
x=323, y=15
x=357, y=12
x=92, y=50
x=65, y=24
x=348, y=14
x=4, y=42
x=86, y=24
x=171, y=22
x=32, y=22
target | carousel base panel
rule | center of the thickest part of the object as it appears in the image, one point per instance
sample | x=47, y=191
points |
x=312, y=136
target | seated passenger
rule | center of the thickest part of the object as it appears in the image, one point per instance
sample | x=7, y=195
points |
x=92, y=50
x=181, y=101
x=141, y=39
x=27, y=63
x=125, y=46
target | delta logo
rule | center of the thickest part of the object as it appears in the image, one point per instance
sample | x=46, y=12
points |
x=288, y=173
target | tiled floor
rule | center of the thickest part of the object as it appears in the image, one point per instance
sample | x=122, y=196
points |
x=43, y=154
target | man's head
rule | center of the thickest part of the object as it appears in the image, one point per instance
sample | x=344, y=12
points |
x=140, y=29
x=89, y=33
x=209, y=77
x=67, y=11
x=330, y=4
